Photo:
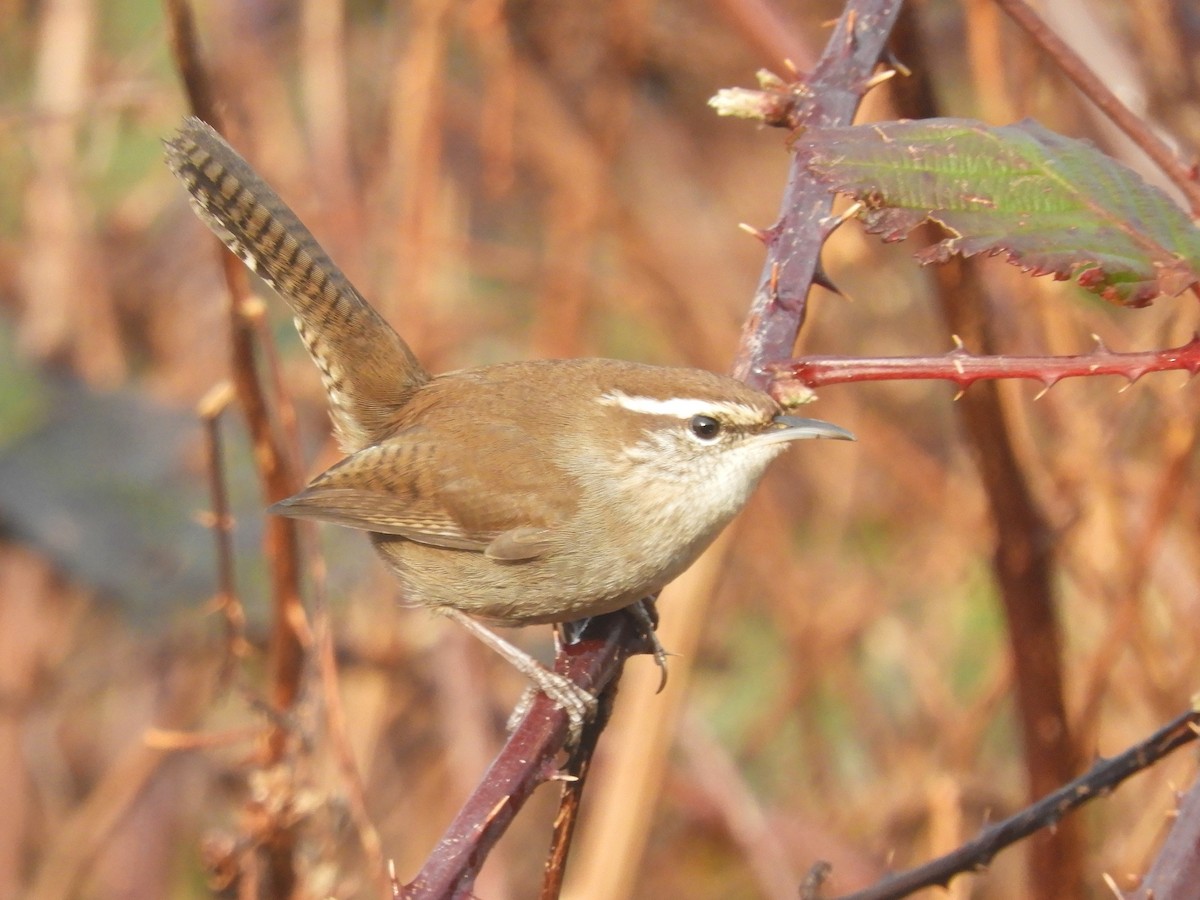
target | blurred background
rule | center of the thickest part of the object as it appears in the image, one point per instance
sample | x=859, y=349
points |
x=543, y=179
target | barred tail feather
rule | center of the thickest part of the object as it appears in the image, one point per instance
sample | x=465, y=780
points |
x=368, y=370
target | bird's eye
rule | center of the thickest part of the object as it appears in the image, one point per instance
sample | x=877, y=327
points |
x=704, y=427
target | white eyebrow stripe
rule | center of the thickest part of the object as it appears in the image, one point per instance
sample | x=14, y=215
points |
x=679, y=407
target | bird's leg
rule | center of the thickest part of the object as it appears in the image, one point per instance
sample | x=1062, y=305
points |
x=578, y=704
x=645, y=614
x=645, y=617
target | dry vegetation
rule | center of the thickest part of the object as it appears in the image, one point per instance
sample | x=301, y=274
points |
x=544, y=179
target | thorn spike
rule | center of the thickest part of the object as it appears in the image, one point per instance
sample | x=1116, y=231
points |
x=879, y=78
x=821, y=277
x=753, y=232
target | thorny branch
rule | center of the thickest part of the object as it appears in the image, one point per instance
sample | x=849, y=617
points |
x=574, y=777
x=827, y=98
x=528, y=758
x=964, y=368
x=1098, y=781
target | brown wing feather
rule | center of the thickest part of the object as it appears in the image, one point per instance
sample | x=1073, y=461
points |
x=425, y=489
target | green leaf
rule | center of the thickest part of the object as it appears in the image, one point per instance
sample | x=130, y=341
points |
x=1053, y=205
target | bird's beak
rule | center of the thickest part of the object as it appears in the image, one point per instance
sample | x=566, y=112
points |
x=791, y=428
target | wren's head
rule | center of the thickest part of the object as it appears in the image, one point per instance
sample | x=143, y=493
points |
x=690, y=444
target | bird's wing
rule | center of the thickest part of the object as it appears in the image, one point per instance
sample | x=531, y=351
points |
x=429, y=489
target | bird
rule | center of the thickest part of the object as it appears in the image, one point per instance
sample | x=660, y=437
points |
x=520, y=493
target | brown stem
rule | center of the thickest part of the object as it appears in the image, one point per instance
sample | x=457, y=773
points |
x=767, y=34
x=1024, y=568
x=1022, y=563
x=1082, y=76
x=343, y=751
x=286, y=649
x=576, y=773
x=227, y=601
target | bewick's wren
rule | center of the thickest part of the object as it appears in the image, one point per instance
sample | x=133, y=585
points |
x=521, y=493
